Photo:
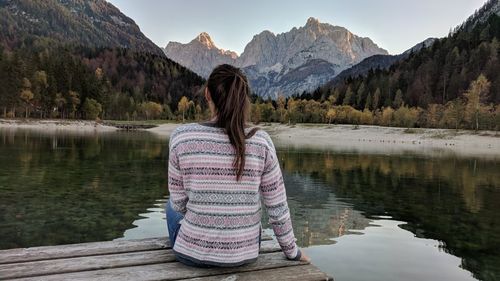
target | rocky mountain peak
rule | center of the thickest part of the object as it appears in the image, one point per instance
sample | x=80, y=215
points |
x=290, y=62
x=312, y=22
x=205, y=39
x=200, y=55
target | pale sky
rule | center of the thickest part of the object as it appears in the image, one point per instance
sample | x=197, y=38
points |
x=395, y=25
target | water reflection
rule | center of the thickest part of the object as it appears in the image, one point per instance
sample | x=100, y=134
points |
x=360, y=216
x=453, y=200
x=318, y=215
x=384, y=251
x=150, y=224
x=70, y=188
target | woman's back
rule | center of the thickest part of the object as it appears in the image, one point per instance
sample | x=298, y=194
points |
x=222, y=214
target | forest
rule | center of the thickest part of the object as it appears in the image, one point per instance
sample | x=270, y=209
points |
x=453, y=84
x=78, y=82
x=467, y=112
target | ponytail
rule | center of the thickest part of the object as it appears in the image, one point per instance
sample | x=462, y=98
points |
x=229, y=90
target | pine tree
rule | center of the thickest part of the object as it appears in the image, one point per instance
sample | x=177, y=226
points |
x=348, y=97
x=398, y=99
x=376, y=99
x=369, y=102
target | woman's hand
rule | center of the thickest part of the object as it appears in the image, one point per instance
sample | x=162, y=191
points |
x=305, y=258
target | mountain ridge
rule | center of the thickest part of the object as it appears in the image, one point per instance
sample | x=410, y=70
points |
x=67, y=54
x=378, y=62
x=269, y=57
x=95, y=23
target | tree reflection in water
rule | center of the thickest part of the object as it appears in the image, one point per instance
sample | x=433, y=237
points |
x=70, y=188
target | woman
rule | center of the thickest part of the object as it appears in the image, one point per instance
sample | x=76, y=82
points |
x=217, y=174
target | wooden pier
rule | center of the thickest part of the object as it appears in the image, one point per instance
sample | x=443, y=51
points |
x=145, y=259
x=129, y=126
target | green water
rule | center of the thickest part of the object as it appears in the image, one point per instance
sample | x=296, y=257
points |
x=359, y=216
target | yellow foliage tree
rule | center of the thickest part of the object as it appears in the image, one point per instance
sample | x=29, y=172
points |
x=183, y=106
x=331, y=114
x=478, y=91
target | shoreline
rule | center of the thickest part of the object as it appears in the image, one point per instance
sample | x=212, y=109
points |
x=377, y=140
x=342, y=138
x=56, y=125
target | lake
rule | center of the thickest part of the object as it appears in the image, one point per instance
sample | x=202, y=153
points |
x=359, y=216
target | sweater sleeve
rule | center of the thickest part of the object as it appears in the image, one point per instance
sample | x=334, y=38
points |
x=273, y=192
x=178, y=195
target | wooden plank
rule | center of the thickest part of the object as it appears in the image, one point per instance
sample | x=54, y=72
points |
x=86, y=249
x=168, y=271
x=294, y=273
x=57, y=266
x=79, y=250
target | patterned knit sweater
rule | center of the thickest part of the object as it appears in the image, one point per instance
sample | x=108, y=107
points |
x=222, y=221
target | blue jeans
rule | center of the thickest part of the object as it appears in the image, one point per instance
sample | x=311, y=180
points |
x=173, y=224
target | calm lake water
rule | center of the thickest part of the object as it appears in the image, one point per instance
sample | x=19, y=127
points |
x=359, y=216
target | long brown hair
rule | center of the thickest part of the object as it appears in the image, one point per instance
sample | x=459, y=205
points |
x=229, y=90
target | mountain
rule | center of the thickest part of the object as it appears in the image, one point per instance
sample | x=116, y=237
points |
x=200, y=55
x=436, y=75
x=378, y=62
x=287, y=63
x=83, y=22
x=492, y=7
x=61, y=58
x=424, y=44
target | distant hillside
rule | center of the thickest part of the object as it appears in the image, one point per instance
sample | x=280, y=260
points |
x=437, y=74
x=85, y=22
x=84, y=59
x=377, y=62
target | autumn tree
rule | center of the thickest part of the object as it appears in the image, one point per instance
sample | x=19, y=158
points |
x=74, y=102
x=366, y=117
x=331, y=114
x=92, y=109
x=386, y=116
x=151, y=110
x=476, y=94
x=406, y=117
x=26, y=95
x=256, y=113
x=293, y=110
x=266, y=111
x=433, y=115
x=454, y=113
x=183, y=106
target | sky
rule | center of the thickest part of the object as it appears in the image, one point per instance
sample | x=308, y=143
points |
x=395, y=25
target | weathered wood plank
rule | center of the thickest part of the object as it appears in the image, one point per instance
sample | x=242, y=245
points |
x=86, y=249
x=169, y=271
x=79, y=250
x=57, y=266
x=293, y=273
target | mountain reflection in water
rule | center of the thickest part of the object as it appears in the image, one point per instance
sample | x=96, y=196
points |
x=359, y=216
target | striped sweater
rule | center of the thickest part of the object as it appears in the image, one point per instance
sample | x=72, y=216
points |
x=222, y=216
